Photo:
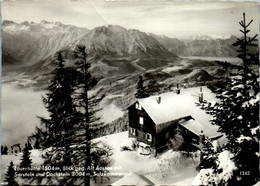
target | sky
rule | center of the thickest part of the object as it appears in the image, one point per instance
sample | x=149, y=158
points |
x=164, y=17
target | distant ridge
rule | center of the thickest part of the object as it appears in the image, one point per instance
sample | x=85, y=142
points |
x=207, y=46
x=32, y=42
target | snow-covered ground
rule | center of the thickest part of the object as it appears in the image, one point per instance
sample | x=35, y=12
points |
x=171, y=167
x=36, y=156
x=168, y=168
x=225, y=163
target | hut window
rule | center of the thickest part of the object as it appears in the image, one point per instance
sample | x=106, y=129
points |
x=138, y=106
x=141, y=120
x=148, y=137
x=133, y=131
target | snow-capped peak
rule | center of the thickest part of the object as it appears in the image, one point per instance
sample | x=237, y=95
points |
x=12, y=27
x=207, y=37
x=116, y=40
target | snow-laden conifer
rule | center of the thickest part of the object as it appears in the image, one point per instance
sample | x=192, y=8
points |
x=26, y=160
x=58, y=129
x=74, y=124
x=10, y=175
x=237, y=116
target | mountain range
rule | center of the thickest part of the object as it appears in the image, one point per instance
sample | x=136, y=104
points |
x=208, y=46
x=31, y=42
x=114, y=50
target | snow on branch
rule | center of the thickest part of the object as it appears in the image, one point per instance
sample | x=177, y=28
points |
x=227, y=165
x=242, y=138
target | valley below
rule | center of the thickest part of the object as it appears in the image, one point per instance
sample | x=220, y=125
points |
x=22, y=94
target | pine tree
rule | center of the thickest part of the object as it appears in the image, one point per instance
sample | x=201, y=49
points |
x=78, y=125
x=26, y=161
x=67, y=156
x=5, y=150
x=36, y=144
x=85, y=83
x=58, y=129
x=140, y=92
x=10, y=175
x=244, y=43
x=28, y=144
x=153, y=87
x=208, y=155
x=88, y=121
x=237, y=116
x=244, y=137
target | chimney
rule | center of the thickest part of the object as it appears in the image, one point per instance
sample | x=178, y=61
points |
x=178, y=89
x=200, y=95
x=201, y=136
x=158, y=99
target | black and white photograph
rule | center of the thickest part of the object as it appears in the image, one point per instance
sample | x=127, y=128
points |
x=129, y=92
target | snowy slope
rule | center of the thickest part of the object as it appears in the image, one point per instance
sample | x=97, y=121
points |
x=168, y=168
x=171, y=167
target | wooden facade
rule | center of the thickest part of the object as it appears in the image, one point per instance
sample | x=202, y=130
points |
x=157, y=136
x=141, y=126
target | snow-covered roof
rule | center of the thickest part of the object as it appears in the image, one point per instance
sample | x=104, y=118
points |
x=196, y=127
x=174, y=106
x=193, y=126
x=133, y=179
